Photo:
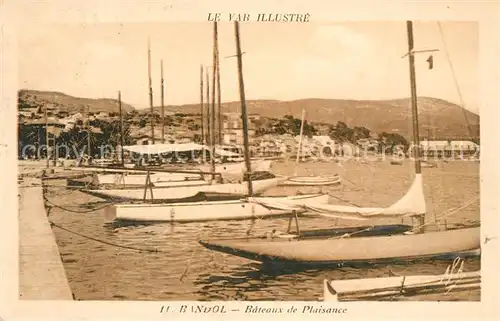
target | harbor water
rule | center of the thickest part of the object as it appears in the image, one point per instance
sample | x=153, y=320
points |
x=109, y=261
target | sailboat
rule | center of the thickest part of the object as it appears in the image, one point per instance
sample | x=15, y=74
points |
x=122, y=177
x=175, y=185
x=355, y=248
x=178, y=193
x=309, y=180
x=249, y=207
x=127, y=180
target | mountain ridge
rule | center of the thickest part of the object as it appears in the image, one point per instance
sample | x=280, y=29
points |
x=437, y=117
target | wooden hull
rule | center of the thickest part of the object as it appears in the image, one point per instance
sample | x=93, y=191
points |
x=382, y=287
x=182, y=192
x=205, y=211
x=351, y=250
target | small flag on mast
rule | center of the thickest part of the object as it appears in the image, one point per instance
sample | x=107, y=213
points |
x=430, y=60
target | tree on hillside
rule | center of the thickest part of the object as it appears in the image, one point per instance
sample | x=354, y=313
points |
x=341, y=132
x=388, y=142
x=291, y=125
x=360, y=132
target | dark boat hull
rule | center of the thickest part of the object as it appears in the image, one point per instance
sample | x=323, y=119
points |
x=382, y=245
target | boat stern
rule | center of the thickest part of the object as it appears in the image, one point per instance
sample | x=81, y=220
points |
x=110, y=213
x=329, y=293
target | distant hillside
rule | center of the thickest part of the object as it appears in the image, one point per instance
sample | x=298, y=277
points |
x=437, y=118
x=67, y=103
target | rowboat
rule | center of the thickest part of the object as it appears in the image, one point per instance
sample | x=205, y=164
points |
x=207, y=211
x=428, y=164
x=183, y=192
x=394, y=286
x=397, y=162
x=312, y=181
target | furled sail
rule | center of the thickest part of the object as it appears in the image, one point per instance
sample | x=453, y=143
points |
x=412, y=203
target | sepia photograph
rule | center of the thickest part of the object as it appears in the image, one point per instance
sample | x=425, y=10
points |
x=243, y=161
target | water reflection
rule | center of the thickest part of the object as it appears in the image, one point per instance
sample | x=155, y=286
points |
x=182, y=269
x=266, y=279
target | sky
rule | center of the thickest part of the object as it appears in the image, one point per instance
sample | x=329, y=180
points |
x=352, y=60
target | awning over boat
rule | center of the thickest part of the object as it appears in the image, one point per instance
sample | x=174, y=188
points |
x=162, y=148
x=412, y=203
x=173, y=148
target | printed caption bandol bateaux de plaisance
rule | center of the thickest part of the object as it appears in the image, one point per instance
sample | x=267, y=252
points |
x=259, y=17
x=250, y=309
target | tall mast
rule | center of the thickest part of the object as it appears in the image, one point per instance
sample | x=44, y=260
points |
x=47, y=135
x=162, y=105
x=88, y=130
x=206, y=138
x=219, y=123
x=151, y=94
x=416, y=139
x=243, y=107
x=201, y=103
x=300, y=137
x=212, y=111
x=121, y=127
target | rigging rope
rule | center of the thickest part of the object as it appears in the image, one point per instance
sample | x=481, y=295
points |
x=455, y=80
x=442, y=215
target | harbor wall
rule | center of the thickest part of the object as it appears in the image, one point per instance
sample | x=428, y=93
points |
x=41, y=271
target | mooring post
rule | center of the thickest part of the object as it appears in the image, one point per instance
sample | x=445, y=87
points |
x=297, y=222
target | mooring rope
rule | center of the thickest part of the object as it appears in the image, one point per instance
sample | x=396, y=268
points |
x=188, y=265
x=52, y=224
x=75, y=211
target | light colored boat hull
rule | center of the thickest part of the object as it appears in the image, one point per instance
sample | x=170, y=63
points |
x=160, y=184
x=239, y=168
x=181, y=192
x=156, y=178
x=312, y=181
x=205, y=211
x=352, y=249
x=389, y=286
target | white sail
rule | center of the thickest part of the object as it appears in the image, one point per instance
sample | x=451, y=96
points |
x=412, y=203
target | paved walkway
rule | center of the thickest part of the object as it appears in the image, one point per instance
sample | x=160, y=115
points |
x=41, y=272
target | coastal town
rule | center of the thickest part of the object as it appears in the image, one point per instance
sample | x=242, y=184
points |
x=268, y=136
x=228, y=198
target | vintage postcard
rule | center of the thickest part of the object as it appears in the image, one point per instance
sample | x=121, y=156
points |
x=182, y=160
